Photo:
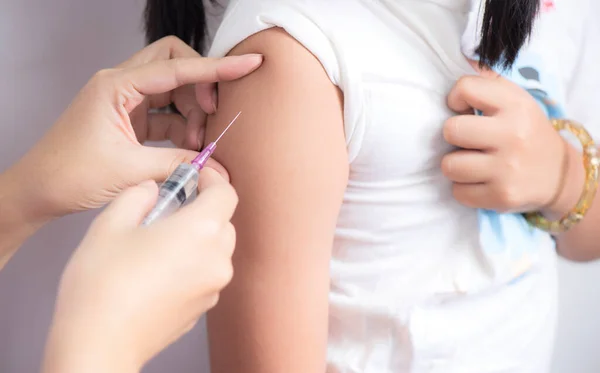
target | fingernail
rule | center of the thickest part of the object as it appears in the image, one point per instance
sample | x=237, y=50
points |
x=255, y=57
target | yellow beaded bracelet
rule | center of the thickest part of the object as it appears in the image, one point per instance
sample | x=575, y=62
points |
x=591, y=163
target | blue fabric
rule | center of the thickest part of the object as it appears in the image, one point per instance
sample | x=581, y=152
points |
x=510, y=245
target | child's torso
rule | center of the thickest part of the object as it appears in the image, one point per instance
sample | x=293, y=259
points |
x=411, y=287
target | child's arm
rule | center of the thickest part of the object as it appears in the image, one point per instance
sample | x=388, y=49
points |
x=583, y=241
x=286, y=156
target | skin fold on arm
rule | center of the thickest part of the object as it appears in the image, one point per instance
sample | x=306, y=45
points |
x=286, y=156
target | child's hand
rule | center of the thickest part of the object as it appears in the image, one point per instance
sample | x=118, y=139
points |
x=512, y=159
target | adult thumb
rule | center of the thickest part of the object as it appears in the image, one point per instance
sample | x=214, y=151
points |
x=215, y=196
x=159, y=163
x=131, y=207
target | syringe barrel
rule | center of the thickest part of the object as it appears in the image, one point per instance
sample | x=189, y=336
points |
x=174, y=192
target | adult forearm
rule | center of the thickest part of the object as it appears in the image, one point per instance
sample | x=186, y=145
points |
x=77, y=344
x=582, y=242
x=74, y=361
x=62, y=358
x=17, y=223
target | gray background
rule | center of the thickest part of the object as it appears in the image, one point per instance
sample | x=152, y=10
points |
x=49, y=49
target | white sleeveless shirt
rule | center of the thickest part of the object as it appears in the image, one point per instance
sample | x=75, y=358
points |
x=411, y=290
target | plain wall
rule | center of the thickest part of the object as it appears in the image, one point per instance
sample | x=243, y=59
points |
x=49, y=49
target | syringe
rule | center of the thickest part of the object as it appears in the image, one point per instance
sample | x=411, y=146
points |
x=182, y=183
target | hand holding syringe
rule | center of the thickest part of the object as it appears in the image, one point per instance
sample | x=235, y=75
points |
x=182, y=183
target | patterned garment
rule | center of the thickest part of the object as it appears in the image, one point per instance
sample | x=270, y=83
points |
x=511, y=247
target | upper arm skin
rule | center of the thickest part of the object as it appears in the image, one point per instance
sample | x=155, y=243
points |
x=286, y=156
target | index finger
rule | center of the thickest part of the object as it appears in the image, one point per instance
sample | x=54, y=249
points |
x=487, y=94
x=163, y=76
x=164, y=49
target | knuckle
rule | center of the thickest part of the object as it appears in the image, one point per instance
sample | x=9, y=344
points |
x=207, y=232
x=177, y=47
x=225, y=192
x=509, y=197
x=230, y=193
x=221, y=274
x=212, y=300
x=226, y=274
x=521, y=135
x=514, y=101
x=465, y=83
x=231, y=233
x=104, y=80
x=521, y=106
x=513, y=165
x=175, y=66
x=211, y=227
x=104, y=75
x=229, y=239
x=170, y=40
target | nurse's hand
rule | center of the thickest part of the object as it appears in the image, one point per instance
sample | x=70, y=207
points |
x=511, y=159
x=130, y=291
x=94, y=150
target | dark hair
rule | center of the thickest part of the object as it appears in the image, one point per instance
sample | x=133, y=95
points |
x=507, y=25
x=185, y=19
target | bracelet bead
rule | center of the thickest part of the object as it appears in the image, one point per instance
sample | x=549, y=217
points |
x=591, y=164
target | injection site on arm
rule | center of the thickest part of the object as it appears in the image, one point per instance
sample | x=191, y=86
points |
x=182, y=183
x=288, y=163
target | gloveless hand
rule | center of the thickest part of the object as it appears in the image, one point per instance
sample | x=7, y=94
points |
x=511, y=159
x=130, y=291
x=94, y=150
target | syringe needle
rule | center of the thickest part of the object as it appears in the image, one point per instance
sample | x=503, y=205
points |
x=183, y=181
x=226, y=128
x=205, y=154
